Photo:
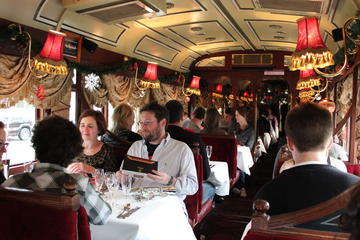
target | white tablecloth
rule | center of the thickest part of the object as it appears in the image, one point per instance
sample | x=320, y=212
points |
x=219, y=177
x=244, y=159
x=162, y=218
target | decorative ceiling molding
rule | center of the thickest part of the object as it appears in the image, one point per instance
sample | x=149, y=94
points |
x=222, y=10
x=148, y=43
x=51, y=22
x=217, y=23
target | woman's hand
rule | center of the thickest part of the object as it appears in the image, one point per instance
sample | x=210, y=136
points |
x=81, y=168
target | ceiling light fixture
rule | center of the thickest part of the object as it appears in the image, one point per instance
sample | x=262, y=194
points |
x=275, y=26
x=196, y=29
x=210, y=39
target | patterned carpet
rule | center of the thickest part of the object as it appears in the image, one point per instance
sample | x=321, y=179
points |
x=229, y=218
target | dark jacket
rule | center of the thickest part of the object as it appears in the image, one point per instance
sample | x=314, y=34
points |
x=189, y=138
x=122, y=138
x=303, y=186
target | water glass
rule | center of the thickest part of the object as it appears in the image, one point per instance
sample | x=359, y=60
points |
x=126, y=183
x=208, y=151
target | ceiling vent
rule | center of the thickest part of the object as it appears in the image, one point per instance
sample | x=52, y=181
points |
x=252, y=60
x=117, y=11
x=305, y=6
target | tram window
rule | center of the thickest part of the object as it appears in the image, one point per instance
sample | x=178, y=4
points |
x=72, y=111
x=110, y=113
x=96, y=108
x=19, y=121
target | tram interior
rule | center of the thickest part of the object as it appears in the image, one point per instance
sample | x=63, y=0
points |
x=205, y=53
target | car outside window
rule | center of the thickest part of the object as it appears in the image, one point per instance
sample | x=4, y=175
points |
x=19, y=121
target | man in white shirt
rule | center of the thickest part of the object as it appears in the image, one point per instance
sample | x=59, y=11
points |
x=176, y=166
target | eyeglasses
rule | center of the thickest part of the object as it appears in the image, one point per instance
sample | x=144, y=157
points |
x=4, y=144
x=146, y=123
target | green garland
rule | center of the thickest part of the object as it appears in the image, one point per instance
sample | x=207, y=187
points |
x=126, y=67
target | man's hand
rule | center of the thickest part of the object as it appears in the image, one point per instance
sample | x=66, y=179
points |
x=81, y=168
x=159, y=177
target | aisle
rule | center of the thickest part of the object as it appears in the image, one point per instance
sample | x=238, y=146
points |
x=229, y=218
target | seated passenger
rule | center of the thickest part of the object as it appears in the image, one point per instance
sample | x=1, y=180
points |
x=245, y=136
x=176, y=131
x=212, y=119
x=311, y=180
x=244, y=132
x=176, y=166
x=330, y=161
x=123, y=119
x=227, y=120
x=56, y=142
x=96, y=154
x=195, y=124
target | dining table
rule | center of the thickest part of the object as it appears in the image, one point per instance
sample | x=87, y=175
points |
x=157, y=217
x=244, y=159
x=219, y=177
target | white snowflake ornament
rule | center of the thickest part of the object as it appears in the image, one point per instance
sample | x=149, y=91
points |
x=92, y=81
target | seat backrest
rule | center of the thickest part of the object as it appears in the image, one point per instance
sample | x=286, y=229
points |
x=27, y=214
x=193, y=202
x=315, y=222
x=120, y=154
x=353, y=169
x=282, y=155
x=224, y=149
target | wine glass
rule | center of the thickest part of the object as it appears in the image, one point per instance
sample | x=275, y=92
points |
x=208, y=151
x=99, y=179
x=112, y=185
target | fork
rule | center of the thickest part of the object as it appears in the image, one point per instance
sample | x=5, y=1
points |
x=125, y=209
x=128, y=213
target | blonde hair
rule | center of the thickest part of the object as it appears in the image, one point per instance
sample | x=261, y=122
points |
x=120, y=116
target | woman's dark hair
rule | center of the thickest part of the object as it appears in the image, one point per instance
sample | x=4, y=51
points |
x=56, y=140
x=212, y=119
x=243, y=111
x=2, y=125
x=99, y=118
x=350, y=220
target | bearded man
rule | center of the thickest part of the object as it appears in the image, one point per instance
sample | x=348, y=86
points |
x=176, y=166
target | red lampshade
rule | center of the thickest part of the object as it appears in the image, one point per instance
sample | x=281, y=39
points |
x=195, y=82
x=219, y=88
x=308, y=79
x=151, y=71
x=194, y=87
x=310, y=49
x=53, y=47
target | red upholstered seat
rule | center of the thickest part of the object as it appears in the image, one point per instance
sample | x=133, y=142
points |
x=196, y=210
x=224, y=150
x=42, y=215
x=353, y=169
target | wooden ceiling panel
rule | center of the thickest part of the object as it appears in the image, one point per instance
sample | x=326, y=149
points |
x=200, y=33
x=156, y=50
x=191, y=28
x=273, y=31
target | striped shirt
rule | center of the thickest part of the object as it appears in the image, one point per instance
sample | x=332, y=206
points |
x=51, y=177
